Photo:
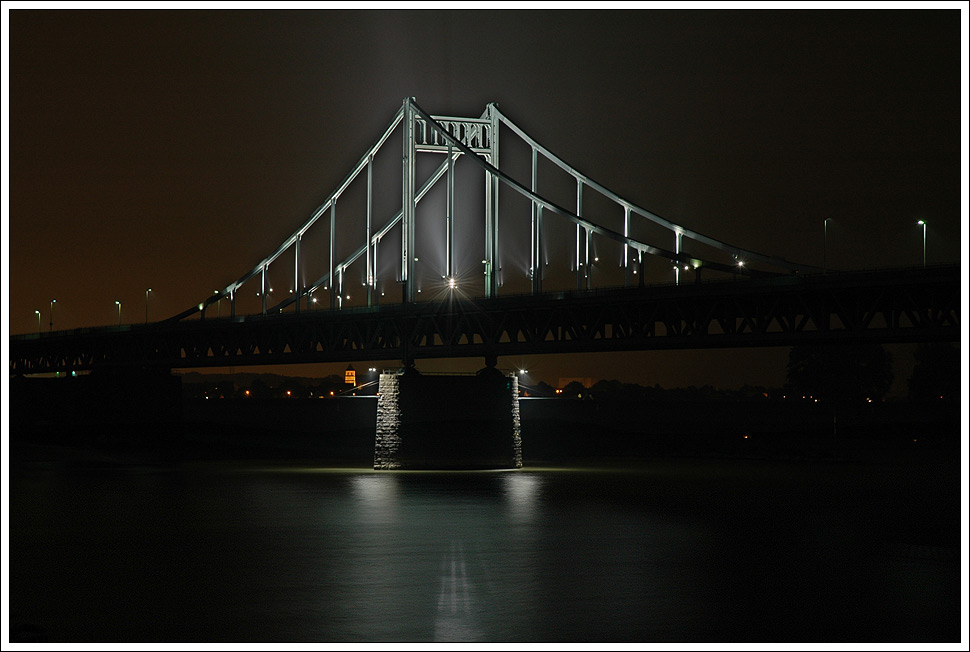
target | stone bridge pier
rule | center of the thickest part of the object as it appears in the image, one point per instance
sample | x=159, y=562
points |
x=429, y=421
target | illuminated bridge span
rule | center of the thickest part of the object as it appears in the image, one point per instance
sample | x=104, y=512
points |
x=619, y=229
x=461, y=290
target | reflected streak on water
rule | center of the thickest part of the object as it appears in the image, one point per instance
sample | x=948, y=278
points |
x=455, y=621
x=215, y=554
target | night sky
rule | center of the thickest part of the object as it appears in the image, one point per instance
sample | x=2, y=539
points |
x=175, y=149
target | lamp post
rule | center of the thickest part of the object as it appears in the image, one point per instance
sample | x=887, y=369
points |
x=118, y=303
x=37, y=312
x=825, y=237
x=53, y=301
x=147, y=292
x=923, y=224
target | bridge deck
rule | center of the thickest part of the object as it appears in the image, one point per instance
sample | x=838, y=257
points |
x=894, y=305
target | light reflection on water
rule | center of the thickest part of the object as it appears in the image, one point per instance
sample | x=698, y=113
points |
x=198, y=553
x=457, y=604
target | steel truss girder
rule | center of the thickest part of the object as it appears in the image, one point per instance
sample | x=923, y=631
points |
x=912, y=305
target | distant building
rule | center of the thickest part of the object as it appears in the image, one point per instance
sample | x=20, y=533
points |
x=585, y=382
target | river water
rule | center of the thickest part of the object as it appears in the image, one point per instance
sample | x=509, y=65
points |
x=677, y=550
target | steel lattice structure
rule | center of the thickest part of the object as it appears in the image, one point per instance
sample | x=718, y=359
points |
x=477, y=139
x=906, y=305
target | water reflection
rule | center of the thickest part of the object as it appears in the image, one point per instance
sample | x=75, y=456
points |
x=375, y=498
x=522, y=491
x=455, y=621
x=201, y=554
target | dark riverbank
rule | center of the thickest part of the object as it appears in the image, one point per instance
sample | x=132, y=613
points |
x=162, y=424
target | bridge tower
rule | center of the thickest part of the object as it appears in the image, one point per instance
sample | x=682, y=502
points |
x=421, y=135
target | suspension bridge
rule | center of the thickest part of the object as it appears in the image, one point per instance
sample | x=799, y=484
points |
x=435, y=246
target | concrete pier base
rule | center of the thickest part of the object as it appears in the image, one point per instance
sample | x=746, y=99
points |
x=448, y=422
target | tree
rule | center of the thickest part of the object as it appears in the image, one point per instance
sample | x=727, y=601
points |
x=606, y=388
x=936, y=374
x=574, y=389
x=840, y=372
x=544, y=389
x=259, y=389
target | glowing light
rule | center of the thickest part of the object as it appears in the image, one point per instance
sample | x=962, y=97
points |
x=452, y=283
x=288, y=393
x=331, y=393
x=247, y=392
x=923, y=224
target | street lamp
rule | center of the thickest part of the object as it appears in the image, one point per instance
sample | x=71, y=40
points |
x=923, y=224
x=37, y=312
x=147, y=292
x=118, y=303
x=825, y=234
x=53, y=301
